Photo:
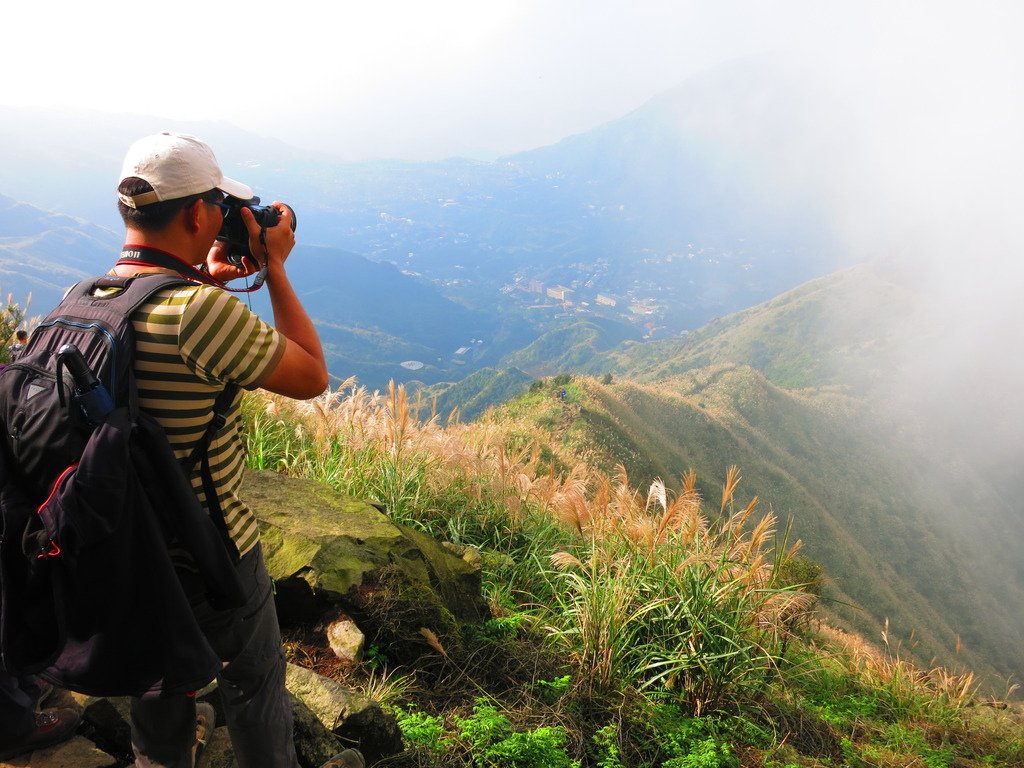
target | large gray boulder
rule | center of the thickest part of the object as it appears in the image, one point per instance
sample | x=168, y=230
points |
x=331, y=553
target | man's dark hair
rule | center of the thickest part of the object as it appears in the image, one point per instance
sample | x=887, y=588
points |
x=22, y=334
x=156, y=216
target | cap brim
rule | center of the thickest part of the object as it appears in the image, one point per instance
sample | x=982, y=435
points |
x=235, y=188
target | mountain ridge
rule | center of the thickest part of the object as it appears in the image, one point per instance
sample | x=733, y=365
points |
x=655, y=206
x=839, y=497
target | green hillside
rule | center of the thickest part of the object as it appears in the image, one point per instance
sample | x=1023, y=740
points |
x=872, y=415
x=629, y=630
x=838, y=329
x=814, y=460
x=475, y=393
x=570, y=347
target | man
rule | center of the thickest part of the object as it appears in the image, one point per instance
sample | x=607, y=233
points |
x=21, y=339
x=190, y=343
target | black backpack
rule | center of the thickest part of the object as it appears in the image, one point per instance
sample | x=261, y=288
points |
x=90, y=497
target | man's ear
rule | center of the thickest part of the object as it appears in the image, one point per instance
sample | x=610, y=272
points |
x=191, y=217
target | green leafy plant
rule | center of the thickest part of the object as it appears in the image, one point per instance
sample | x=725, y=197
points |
x=422, y=729
x=691, y=742
x=495, y=744
x=552, y=690
x=608, y=754
x=375, y=658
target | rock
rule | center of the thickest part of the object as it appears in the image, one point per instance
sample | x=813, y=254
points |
x=377, y=733
x=328, y=700
x=465, y=551
x=108, y=724
x=314, y=743
x=497, y=561
x=327, y=551
x=79, y=752
x=218, y=753
x=345, y=639
x=355, y=719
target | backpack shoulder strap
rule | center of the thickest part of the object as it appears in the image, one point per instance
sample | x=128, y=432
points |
x=120, y=295
x=201, y=453
x=114, y=300
x=221, y=406
x=128, y=294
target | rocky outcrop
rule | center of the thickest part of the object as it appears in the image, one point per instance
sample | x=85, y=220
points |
x=330, y=554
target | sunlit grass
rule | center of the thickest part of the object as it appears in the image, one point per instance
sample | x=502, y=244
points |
x=653, y=594
x=643, y=590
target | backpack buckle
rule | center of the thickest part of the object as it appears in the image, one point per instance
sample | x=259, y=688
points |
x=54, y=551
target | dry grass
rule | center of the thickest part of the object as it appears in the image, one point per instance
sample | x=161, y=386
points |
x=888, y=668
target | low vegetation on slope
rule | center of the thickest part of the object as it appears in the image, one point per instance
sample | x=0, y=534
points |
x=814, y=463
x=630, y=629
x=881, y=417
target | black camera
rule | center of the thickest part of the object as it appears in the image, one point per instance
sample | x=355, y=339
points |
x=233, y=231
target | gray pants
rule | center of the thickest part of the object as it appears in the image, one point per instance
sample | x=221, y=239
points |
x=256, y=704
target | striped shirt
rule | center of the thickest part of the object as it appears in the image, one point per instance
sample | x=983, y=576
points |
x=189, y=342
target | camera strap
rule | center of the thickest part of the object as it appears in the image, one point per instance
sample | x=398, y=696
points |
x=144, y=256
x=261, y=276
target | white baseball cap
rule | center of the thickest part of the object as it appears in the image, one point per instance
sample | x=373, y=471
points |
x=175, y=165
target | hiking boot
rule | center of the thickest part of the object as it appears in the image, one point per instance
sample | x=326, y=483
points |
x=52, y=727
x=350, y=758
x=206, y=721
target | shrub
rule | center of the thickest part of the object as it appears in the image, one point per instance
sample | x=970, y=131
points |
x=12, y=317
x=608, y=753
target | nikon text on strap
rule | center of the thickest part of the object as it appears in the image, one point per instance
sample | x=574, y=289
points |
x=144, y=256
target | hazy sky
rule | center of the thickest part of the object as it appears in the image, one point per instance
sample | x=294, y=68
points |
x=938, y=85
x=423, y=80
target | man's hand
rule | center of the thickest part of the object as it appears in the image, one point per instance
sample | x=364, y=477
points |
x=220, y=268
x=280, y=238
